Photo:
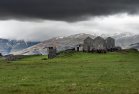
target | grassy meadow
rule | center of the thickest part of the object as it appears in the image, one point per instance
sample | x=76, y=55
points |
x=72, y=73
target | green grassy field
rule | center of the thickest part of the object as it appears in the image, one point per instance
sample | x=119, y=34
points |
x=72, y=73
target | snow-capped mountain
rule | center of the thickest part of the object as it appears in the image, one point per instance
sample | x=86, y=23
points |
x=9, y=46
x=135, y=46
x=63, y=43
x=122, y=35
x=125, y=42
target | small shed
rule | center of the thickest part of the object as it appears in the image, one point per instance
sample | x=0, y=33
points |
x=79, y=47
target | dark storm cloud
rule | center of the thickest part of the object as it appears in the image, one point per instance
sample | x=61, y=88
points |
x=64, y=9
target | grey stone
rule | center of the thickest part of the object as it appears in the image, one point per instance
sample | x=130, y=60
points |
x=52, y=52
x=13, y=57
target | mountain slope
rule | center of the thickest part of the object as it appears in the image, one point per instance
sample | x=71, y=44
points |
x=135, y=46
x=9, y=46
x=125, y=42
x=63, y=43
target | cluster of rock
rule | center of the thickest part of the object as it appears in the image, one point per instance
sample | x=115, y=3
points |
x=13, y=57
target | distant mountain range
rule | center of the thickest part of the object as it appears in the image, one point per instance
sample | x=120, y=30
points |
x=10, y=46
x=123, y=40
x=135, y=46
x=128, y=41
x=62, y=43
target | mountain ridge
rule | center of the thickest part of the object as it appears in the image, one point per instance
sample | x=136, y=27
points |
x=8, y=46
x=63, y=43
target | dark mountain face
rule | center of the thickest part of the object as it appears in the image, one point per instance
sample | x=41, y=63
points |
x=9, y=46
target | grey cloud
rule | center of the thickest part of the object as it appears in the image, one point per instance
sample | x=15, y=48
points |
x=63, y=9
x=40, y=31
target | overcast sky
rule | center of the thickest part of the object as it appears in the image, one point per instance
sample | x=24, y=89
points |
x=44, y=19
